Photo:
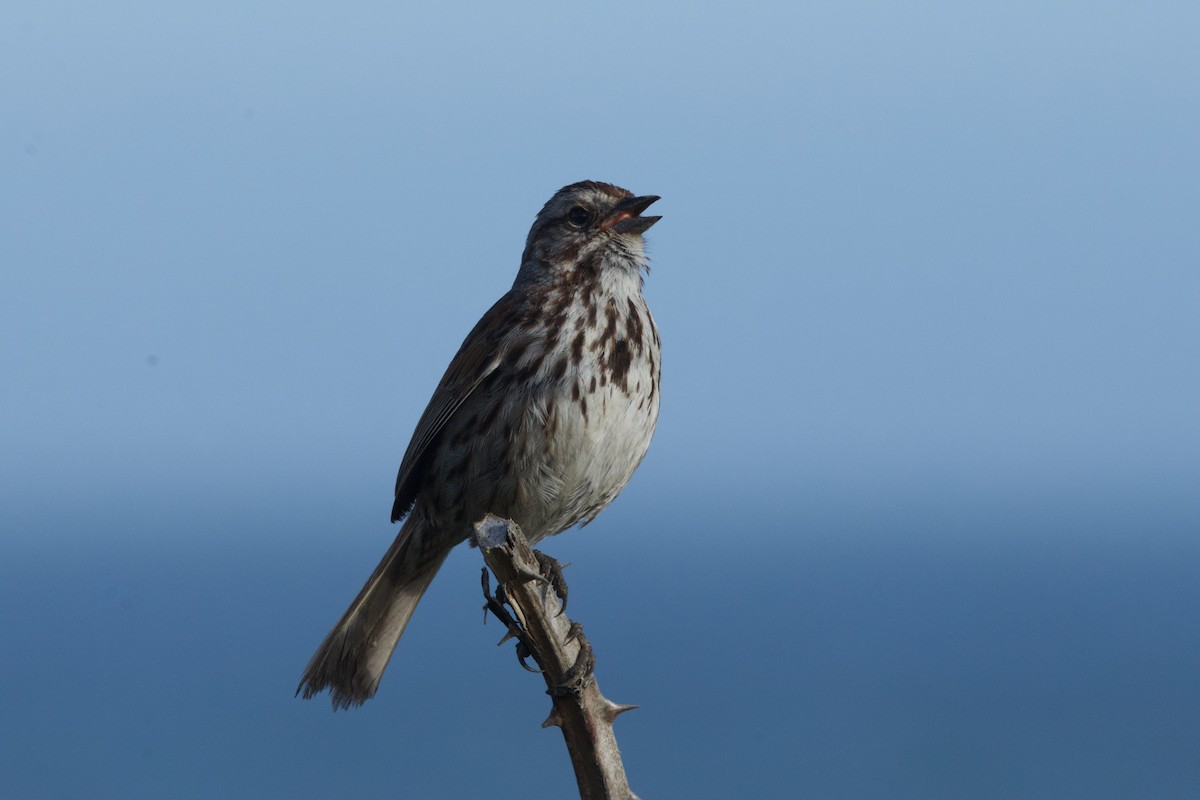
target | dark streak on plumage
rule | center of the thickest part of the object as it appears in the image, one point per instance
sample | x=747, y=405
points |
x=619, y=362
x=556, y=313
x=654, y=373
x=577, y=348
x=610, y=326
x=559, y=370
x=513, y=356
x=527, y=373
x=633, y=327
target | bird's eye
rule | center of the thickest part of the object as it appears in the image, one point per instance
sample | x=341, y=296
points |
x=578, y=216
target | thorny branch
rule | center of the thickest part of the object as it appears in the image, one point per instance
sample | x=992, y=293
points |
x=563, y=654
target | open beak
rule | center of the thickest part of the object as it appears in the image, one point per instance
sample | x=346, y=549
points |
x=627, y=218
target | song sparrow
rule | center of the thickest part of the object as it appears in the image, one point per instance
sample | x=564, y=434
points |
x=542, y=417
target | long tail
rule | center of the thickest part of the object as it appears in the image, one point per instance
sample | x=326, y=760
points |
x=351, y=660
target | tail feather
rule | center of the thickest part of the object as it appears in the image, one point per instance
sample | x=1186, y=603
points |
x=351, y=660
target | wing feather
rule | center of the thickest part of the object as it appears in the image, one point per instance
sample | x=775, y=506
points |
x=480, y=354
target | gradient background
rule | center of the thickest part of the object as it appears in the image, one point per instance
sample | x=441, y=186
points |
x=920, y=519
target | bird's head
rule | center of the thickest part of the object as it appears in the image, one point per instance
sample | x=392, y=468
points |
x=590, y=226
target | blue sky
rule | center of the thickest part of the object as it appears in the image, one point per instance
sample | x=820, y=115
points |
x=927, y=274
x=901, y=247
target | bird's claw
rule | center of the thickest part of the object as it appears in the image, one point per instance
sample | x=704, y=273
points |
x=576, y=678
x=552, y=572
x=495, y=604
x=523, y=652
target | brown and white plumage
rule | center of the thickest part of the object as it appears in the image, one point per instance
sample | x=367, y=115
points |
x=542, y=417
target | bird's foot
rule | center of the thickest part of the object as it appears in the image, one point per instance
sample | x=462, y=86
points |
x=552, y=570
x=576, y=678
x=495, y=603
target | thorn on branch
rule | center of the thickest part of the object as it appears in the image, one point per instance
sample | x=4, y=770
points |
x=614, y=710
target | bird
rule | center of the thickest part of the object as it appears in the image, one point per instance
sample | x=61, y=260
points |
x=542, y=417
